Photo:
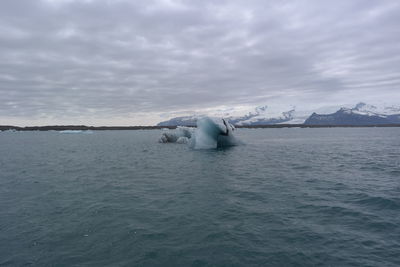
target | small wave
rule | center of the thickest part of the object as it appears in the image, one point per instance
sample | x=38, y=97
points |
x=378, y=202
x=395, y=172
x=335, y=211
x=371, y=168
x=302, y=167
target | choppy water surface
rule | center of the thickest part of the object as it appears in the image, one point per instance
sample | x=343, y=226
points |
x=289, y=197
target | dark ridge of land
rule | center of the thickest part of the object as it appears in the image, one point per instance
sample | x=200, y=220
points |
x=80, y=128
x=104, y=128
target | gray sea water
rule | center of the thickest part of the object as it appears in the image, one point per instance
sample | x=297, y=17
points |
x=288, y=197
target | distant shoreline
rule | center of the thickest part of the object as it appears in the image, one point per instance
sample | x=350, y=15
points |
x=106, y=128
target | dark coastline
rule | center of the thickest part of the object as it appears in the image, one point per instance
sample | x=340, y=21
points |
x=106, y=128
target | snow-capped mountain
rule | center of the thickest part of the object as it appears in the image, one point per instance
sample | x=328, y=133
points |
x=371, y=110
x=180, y=121
x=361, y=114
x=260, y=115
x=264, y=115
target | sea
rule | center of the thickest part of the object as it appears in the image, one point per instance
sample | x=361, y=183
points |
x=285, y=197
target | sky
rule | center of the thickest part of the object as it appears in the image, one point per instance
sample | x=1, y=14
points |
x=104, y=62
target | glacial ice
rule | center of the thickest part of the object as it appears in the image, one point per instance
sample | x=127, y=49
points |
x=210, y=133
x=182, y=140
x=172, y=136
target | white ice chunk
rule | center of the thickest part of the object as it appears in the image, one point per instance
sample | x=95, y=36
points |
x=182, y=140
x=210, y=133
x=172, y=136
x=76, y=132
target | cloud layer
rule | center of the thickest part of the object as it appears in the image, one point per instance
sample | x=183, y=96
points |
x=137, y=62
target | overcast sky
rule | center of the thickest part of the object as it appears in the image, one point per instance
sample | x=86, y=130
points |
x=138, y=62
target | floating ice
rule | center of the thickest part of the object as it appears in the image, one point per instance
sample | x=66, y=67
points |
x=76, y=131
x=213, y=133
x=173, y=136
x=210, y=133
x=182, y=140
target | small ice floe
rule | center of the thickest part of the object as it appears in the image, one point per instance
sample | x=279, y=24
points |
x=210, y=133
x=71, y=131
x=76, y=132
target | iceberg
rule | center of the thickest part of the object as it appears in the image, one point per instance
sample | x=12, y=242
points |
x=210, y=133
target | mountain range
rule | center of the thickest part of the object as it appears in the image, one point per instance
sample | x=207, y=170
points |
x=360, y=114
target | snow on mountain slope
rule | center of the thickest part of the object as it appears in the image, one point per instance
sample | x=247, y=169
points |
x=360, y=114
x=265, y=115
x=257, y=116
x=371, y=110
x=281, y=114
x=180, y=121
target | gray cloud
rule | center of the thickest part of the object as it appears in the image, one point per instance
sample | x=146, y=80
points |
x=130, y=61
